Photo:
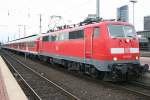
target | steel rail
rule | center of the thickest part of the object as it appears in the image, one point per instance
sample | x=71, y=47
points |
x=51, y=82
x=141, y=84
x=22, y=78
x=134, y=90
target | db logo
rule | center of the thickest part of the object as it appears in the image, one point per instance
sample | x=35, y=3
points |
x=126, y=50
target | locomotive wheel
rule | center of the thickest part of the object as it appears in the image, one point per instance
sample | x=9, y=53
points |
x=97, y=74
x=101, y=75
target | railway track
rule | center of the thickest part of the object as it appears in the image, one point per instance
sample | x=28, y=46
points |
x=141, y=84
x=30, y=93
x=135, y=88
x=40, y=86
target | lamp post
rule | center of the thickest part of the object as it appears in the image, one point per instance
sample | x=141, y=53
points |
x=97, y=8
x=133, y=1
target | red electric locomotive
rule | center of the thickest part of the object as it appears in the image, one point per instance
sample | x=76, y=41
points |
x=107, y=49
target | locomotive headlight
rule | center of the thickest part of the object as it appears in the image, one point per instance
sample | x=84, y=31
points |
x=136, y=57
x=115, y=59
x=127, y=40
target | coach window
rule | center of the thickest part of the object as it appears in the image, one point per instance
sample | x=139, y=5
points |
x=76, y=34
x=32, y=44
x=96, y=32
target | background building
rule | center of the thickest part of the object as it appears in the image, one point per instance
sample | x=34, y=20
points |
x=147, y=23
x=144, y=40
x=123, y=13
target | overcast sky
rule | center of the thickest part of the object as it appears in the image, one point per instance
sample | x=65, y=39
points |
x=26, y=12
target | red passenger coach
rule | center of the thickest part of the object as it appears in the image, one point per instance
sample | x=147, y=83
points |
x=26, y=45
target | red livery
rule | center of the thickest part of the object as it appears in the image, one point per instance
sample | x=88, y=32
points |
x=107, y=49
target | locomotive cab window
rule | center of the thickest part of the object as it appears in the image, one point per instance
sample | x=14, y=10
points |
x=121, y=31
x=96, y=32
x=76, y=34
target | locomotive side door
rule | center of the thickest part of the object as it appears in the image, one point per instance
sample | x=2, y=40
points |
x=88, y=41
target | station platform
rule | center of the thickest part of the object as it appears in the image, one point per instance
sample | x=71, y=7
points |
x=9, y=88
x=145, y=60
x=145, y=53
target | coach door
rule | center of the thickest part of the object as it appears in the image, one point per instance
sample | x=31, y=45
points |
x=41, y=45
x=88, y=42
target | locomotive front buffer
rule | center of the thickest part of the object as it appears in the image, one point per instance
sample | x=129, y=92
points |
x=126, y=71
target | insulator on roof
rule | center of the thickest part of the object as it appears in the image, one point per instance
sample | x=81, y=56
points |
x=90, y=21
x=65, y=26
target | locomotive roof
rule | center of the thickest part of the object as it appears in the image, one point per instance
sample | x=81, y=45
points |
x=35, y=36
x=25, y=39
x=85, y=26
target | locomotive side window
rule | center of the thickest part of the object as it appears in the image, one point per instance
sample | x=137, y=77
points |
x=76, y=34
x=53, y=38
x=63, y=36
x=45, y=38
x=96, y=32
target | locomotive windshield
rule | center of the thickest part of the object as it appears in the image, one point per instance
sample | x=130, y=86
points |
x=121, y=31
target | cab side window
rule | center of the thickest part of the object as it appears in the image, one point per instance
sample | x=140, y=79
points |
x=96, y=32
